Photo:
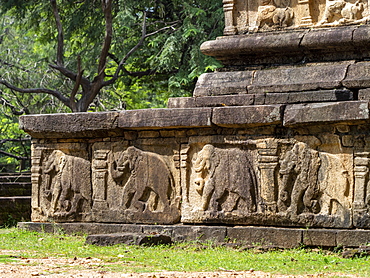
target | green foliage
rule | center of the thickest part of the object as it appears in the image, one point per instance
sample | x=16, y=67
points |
x=192, y=256
x=171, y=57
x=167, y=64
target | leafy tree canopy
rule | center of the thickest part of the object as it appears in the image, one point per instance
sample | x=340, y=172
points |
x=102, y=54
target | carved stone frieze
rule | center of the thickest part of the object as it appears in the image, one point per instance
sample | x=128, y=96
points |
x=221, y=184
x=269, y=15
x=132, y=185
x=61, y=185
x=268, y=181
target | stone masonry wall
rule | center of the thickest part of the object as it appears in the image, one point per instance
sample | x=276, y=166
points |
x=249, y=165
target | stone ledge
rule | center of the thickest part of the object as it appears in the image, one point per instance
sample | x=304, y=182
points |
x=247, y=115
x=165, y=118
x=73, y=125
x=349, y=111
x=263, y=98
x=298, y=43
x=295, y=79
x=245, y=235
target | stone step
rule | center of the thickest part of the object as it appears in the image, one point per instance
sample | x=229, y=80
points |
x=15, y=209
x=15, y=177
x=129, y=239
x=9, y=189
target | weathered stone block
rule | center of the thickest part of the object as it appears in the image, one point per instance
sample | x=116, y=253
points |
x=353, y=238
x=128, y=238
x=294, y=79
x=305, y=97
x=223, y=83
x=320, y=237
x=201, y=233
x=358, y=75
x=364, y=94
x=181, y=102
x=165, y=118
x=333, y=37
x=74, y=125
x=212, y=101
x=326, y=112
x=247, y=115
x=279, y=237
x=252, y=44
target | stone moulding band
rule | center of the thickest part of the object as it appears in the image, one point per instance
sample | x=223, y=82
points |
x=297, y=42
x=243, y=235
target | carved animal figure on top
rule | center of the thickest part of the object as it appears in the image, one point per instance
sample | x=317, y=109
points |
x=225, y=180
x=273, y=14
x=341, y=12
x=147, y=181
x=68, y=186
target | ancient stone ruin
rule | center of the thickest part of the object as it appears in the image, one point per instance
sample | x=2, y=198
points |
x=274, y=147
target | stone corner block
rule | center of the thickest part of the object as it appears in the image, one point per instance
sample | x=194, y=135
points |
x=165, y=118
x=347, y=111
x=248, y=115
x=69, y=125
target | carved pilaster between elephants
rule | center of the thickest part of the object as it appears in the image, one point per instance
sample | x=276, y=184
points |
x=361, y=171
x=100, y=175
x=267, y=163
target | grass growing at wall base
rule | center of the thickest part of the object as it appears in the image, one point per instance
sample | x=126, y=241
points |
x=192, y=256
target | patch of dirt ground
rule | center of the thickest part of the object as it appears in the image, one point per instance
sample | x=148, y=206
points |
x=92, y=268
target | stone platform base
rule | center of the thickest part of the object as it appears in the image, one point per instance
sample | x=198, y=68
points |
x=246, y=235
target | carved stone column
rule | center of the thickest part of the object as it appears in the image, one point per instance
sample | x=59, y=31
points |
x=304, y=11
x=100, y=174
x=267, y=163
x=36, y=172
x=361, y=172
x=230, y=28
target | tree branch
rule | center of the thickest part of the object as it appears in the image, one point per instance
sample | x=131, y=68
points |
x=14, y=110
x=56, y=94
x=144, y=35
x=13, y=156
x=2, y=141
x=60, y=51
x=70, y=74
x=107, y=10
x=72, y=100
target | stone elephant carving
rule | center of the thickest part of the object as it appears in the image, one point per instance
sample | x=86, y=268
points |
x=298, y=187
x=272, y=16
x=147, y=181
x=68, y=186
x=225, y=180
x=341, y=12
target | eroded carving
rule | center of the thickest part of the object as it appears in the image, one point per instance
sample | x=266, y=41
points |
x=67, y=186
x=338, y=12
x=298, y=188
x=274, y=14
x=225, y=180
x=147, y=182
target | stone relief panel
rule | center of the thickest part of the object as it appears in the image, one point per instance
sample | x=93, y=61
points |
x=267, y=181
x=133, y=185
x=315, y=186
x=243, y=16
x=62, y=190
x=220, y=182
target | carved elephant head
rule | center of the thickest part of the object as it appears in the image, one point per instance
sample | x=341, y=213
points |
x=124, y=164
x=55, y=161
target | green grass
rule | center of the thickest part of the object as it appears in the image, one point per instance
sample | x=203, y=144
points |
x=179, y=257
